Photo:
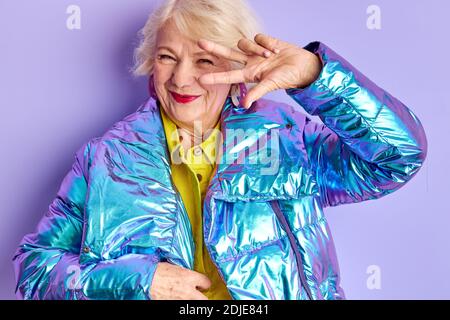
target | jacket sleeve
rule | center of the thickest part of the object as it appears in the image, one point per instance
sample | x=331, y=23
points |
x=47, y=261
x=369, y=145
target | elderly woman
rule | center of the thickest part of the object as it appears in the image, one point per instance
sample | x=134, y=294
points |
x=211, y=192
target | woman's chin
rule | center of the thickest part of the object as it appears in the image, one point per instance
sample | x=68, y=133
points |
x=187, y=113
x=190, y=108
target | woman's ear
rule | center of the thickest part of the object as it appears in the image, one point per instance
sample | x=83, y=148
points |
x=151, y=87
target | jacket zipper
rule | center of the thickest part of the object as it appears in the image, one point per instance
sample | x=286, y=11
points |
x=298, y=257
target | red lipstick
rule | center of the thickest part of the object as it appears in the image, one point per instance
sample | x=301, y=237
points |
x=183, y=98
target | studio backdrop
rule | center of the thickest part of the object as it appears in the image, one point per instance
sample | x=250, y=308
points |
x=65, y=78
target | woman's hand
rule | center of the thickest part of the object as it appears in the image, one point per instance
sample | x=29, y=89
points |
x=270, y=62
x=172, y=282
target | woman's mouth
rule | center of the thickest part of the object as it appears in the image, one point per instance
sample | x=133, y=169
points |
x=183, y=98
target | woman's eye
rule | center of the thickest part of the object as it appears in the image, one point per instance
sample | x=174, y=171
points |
x=164, y=57
x=206, y=61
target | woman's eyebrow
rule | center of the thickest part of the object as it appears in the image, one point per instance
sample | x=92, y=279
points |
x=205, y=53
x=167, y=48
x=198, y=53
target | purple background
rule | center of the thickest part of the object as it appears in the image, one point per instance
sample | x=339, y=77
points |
x=60, y=87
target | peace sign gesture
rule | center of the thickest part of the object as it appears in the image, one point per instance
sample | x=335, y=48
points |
x=270, y=62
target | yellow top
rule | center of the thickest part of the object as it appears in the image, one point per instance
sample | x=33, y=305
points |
x=191, y=172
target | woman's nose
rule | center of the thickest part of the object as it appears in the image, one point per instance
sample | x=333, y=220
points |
x=184, y=75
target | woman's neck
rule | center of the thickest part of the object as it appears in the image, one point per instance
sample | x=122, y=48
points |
x=193, y=136
x=189, y=138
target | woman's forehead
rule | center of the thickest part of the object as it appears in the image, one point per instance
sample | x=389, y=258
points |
x=181, y=46
x=169, y=37
x=169, y=34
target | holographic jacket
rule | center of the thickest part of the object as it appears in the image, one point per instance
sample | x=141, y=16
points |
x=117, y=213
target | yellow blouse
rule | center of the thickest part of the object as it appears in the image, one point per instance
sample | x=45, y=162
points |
x=191, y=172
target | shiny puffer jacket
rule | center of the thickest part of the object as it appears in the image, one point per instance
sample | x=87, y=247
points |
x=117, y=213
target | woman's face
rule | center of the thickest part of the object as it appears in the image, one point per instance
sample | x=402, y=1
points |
x=179, y=62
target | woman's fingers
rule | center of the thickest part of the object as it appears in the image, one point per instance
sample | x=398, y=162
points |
x=202, y=282
x=222, y=51
x=249, y=46
x=264, y=87
x=234, y=76
x=268, y=42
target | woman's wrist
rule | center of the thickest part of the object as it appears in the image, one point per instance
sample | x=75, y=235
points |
x=312, y=71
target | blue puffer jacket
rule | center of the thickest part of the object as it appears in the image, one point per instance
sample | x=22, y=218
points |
x=117, y=213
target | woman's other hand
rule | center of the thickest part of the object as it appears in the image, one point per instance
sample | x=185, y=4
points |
x=172, y=282
x=270, y=62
